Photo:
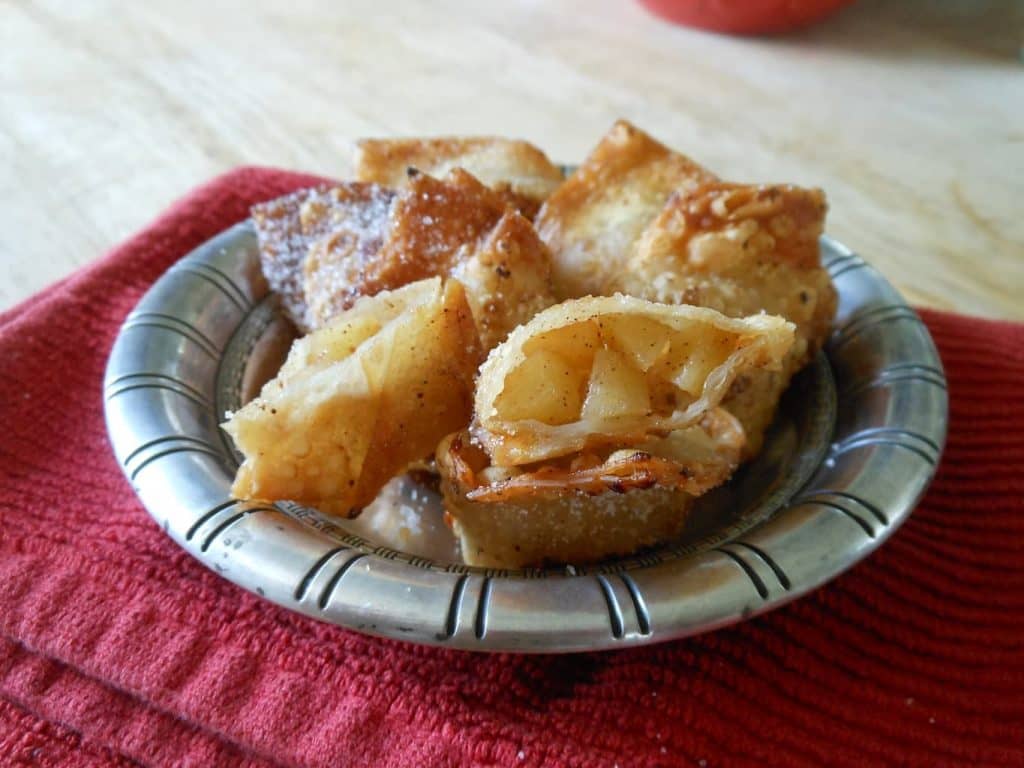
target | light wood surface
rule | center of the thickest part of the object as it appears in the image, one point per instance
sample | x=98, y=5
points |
x=909, y=114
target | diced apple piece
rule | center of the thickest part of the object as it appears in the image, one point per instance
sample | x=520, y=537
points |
x=693, y=357
x=645, y=341
x=577, y=343
x=690, y=377
x=546, y=387
x=617, y=388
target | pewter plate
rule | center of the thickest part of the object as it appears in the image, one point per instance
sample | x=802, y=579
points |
x=855, y=445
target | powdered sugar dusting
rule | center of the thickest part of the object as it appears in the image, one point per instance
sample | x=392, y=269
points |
x=288, y=227
x=360, y=219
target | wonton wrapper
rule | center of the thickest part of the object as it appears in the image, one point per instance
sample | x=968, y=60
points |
x=587, y=508
x=741, y=249
x=592, y=220
x=287, y=227
x=452, y=226
x=613, y=370
x=359, y=399
x=516, y=170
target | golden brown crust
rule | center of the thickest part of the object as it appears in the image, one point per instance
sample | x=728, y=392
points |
x=721, y=231
x=584, y=509
x=435, y=222
x=519, y=172
x=596, y=422
x=741, y=249
x=754, y=398
x=592, y=220
x=574, y=529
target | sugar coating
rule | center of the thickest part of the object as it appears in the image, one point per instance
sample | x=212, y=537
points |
x=287, y=227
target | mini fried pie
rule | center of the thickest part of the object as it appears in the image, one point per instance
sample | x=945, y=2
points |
x=359, y=399
x=592, y=220
x=598, y=410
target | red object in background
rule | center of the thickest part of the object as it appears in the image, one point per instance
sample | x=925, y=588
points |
x=745, y=17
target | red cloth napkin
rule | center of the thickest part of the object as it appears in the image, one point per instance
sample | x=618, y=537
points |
x=117, y=648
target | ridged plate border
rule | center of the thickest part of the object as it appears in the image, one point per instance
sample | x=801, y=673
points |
x=161, y=405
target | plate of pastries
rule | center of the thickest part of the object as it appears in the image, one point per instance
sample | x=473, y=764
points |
x=475, y=398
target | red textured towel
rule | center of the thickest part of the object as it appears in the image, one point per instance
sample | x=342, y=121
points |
x=117, y=648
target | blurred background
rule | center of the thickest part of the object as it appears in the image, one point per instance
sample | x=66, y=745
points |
x=909, y=114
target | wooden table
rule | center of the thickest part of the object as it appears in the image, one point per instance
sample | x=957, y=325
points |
x=910, y=115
